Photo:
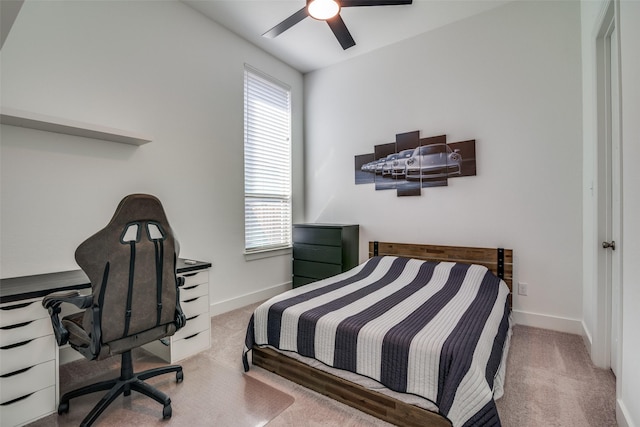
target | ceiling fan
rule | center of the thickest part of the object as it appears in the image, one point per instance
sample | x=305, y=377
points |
x=329, y=11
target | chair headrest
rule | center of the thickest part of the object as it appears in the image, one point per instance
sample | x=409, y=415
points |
x=134, y=208
x=138, y=207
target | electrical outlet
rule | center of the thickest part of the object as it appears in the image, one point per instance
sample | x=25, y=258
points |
x=523, y=288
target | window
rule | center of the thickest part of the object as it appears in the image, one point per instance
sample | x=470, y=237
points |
x=267, y=162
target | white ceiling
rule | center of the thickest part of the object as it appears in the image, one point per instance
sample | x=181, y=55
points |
x=310, y=44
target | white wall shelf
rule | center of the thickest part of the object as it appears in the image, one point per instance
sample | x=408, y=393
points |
x=9, y=116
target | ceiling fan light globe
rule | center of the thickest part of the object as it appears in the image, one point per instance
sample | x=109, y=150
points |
x=323, y=9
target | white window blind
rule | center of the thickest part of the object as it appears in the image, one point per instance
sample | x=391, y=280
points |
x=267, y=162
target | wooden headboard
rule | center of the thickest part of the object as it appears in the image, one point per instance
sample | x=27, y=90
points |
x=498, y=260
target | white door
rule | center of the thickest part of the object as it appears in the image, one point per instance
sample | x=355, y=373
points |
x=615, y=208
x=609, y=182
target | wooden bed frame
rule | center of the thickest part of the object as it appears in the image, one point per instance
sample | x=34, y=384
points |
x=498, y=260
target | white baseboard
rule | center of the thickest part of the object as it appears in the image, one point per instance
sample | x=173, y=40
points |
x=545, y=321
x=244, y=300
x=586, y=337
x=622, y=415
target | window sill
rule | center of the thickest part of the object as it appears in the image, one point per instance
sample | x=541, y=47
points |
x=267, y=253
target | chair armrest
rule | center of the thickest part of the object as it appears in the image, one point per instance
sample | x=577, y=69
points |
x=52, y=304
x=71, y=297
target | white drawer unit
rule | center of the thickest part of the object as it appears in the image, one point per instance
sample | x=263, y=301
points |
x=28, y=363
x=195, y=336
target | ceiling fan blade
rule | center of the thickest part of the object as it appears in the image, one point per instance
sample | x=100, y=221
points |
x=341, y=32
x=287, y=23
x=354, y=3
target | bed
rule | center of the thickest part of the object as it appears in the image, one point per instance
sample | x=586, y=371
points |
x=415, y=335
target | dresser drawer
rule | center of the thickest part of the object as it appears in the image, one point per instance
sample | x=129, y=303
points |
x=24, y=331
x=198, y=278
x=29, y=408
x=194, y=325
x=301, y=281
x=190, y=345
x=315, y=270
x=318, y=235
x=194, y=306
x=21, y=383
x=317, y=253
x=11, y=314
x=193, y=291
x=26, y=354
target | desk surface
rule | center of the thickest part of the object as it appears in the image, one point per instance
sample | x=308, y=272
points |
x=39, y=285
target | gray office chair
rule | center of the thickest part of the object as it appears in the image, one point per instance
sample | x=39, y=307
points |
x=131, y=264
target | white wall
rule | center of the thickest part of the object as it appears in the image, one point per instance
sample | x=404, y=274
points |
x=508, y=78
x=157, y=68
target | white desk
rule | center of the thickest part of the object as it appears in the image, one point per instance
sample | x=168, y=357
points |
x=29, y=355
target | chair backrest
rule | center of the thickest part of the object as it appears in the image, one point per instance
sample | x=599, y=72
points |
x=132, y=267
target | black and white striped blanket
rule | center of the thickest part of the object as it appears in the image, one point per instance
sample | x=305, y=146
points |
x=436, y=330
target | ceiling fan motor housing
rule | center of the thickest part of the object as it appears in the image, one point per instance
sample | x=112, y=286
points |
x=322, y=9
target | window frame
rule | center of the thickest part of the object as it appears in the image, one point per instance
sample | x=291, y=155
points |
x=278, y=195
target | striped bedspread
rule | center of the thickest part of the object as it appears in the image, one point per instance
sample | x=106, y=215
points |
x=436, y=330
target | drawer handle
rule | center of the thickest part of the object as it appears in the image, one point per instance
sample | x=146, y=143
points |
x=18, y=372
x=191, y=300
x=189, y=275
x=191, y=336
x=16, y=400
x=17, y=325
x=18, y=344
x=191, y=318
x=17, y=306
x=190, y=287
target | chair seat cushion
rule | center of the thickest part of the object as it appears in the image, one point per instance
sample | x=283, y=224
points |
x=79, y=338
x=141, y=338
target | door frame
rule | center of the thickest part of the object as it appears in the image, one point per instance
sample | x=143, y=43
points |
x=601, y=344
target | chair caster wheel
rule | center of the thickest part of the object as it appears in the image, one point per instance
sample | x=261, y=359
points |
x=179, y=376
x=166, y=412
x=63, y=408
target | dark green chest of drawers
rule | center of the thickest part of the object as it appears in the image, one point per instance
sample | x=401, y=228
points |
x=323, y=250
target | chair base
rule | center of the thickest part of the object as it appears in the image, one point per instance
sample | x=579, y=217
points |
x=128, y=381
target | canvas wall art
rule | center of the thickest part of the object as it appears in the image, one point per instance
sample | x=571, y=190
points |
x=411, y=163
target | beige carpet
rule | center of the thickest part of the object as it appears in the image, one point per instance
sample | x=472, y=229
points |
x=550, y=382
x=210, y=395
